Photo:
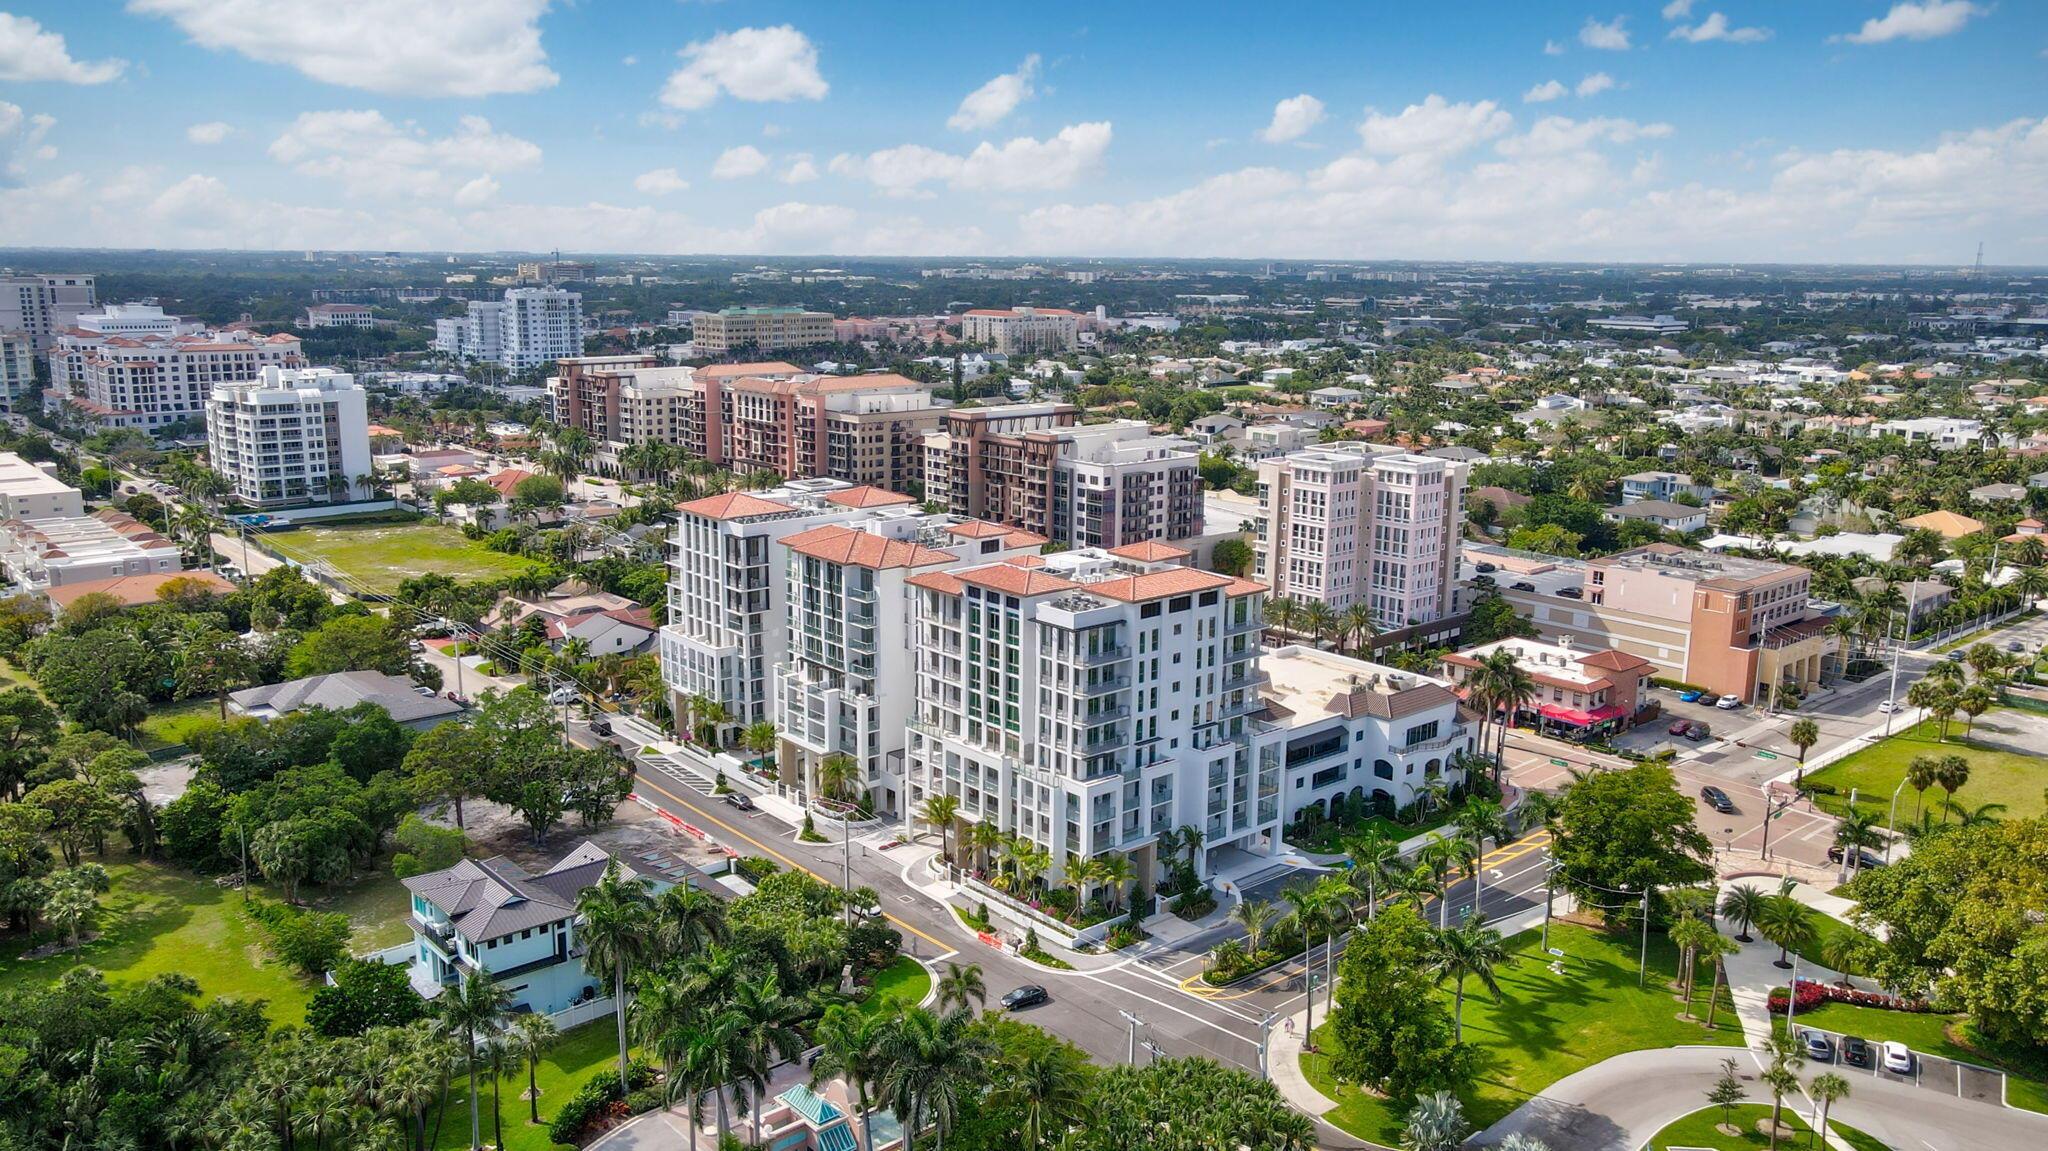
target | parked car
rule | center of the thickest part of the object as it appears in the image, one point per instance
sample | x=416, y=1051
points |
x=1855, y=1052
x=1956, y=656
x=739, y=801
x=1697, y=732
x=1523, y=585
x=2015, y=646
x=1717, y=799
x=1571, y=592
x=1689, y=696
x=600, y=726
x=1863, y=857
x=1819, y=1047
x=1728, y=702
x=1679, y=727
x=1029, y=995
x=1898, y=1058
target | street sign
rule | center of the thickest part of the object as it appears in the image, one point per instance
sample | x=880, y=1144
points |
x=1767, y=755
x=1556, y=762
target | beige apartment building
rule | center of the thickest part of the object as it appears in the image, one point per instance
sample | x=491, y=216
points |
x=724, y=332
x=1730, y=625
x=1014, y=331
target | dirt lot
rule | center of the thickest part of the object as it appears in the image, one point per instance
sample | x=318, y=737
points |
x=633, y=833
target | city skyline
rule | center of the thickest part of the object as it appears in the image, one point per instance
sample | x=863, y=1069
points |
x=1648, y=131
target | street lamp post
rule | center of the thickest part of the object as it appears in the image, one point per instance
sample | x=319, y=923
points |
x=1265, y=1029
x=1643, y=959
x=1549, y=886
x=1892, y=693
x=1891, y=821
x=1131, y=1048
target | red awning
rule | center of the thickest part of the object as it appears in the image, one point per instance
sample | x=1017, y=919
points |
x=1577, y=718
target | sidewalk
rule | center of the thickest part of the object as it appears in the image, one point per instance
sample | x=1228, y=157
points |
x=915, y=859
x=1283, y=1065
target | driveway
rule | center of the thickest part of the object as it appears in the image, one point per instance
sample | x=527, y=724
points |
x=1618, y=1104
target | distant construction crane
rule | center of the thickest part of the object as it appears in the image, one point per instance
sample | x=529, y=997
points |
x=1977, y=271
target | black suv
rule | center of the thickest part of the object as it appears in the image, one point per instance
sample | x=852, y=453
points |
x=1717, y=799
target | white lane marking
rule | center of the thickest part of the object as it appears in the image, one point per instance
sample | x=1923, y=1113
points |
x=1178, y=1011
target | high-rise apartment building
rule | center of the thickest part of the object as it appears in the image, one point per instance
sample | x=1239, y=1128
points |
x=17, y=368
x=1350, y=523
x=527, y=328
x=862, y=429
x=759, y=328
x=291, y=435
x=1093, y=485
x=40, y=306
x=134, y=367
x=1015, y=331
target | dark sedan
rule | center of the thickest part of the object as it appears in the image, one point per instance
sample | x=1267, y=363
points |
x=1030, y=995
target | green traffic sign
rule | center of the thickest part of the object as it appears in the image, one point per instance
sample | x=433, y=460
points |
x=1556, y=762
x=1767, y=755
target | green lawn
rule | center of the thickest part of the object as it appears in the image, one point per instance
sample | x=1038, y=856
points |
x=904, y=981
x=575, y=1057
x=381, y=554
x=160, y=918
x=11, y=675
x=1702, y=1129
x=1996, y=775
x=171, y=723
x=1932, y=1033
x=1827, y=929
x=1546, y=1026
x=1330, y=838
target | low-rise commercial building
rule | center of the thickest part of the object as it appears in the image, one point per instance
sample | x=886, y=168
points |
x=43, y=553
x=33, y=491
x=340, y=316
x=1580, y=693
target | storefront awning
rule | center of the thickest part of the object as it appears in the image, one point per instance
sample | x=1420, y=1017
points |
x=1577, y=718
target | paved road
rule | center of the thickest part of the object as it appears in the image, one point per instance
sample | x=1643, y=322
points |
x=1180, y=1016
x=1618, y=1104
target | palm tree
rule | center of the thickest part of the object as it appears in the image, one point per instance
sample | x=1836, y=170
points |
x=1437, y=859
x=1826, y=1090
x=939, y=812
x=1856, y=831
x=711, y=1060
x=1114, y=871
x=850, y=1048
x=1435, y=1123
x=1254, y=915
x=473, y=1009
x=1803, y=734
x=984, y=838
x=1513, y=689
x=1357, y=622
x=760, y=738
x=1977, y=816
x=1952, y=772
x=1470, y=950
x=1715, y=949
x=962, y=988
x=1782, y=1082
x=1373, y=853
x=1786, y=922
x=1080, y=874
x=1319, y=620
x=1048, y=1090
x=686, y=921
x=837, y=774
x=1740, y=905
x=1921, y=774
x=1691, y=935
x=530, y=1036
x=613, y=917
x=1282, y=613
x=931, y=1062
x=1481, y=820
x=767, y=1032
x=1974, y=701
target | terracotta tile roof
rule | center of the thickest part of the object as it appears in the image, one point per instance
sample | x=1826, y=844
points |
x=938, y=581
x=736, y=371
x=868, y=496
x=1157, y=585
x=1612, y=660
x=977, y=529
x=1027, y=561
x=1246, y=587
x=1019, y=538
x=136, y=589
x=732, y=506
x=1390, y=705
x=1013, y=580
x=1151, y=551
x=843, y=545
x=1946, y=523
x=508, y=479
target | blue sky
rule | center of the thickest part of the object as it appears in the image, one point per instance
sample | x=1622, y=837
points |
x=1712, y=130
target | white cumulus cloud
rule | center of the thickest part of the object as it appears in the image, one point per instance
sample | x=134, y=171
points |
x=1716, y=27
x=660, y=182
x=1021, y=163
x=1434, y=127
x=759, y=65
x=446, y=48
x=1923, y=21
x=1595, y=84
x=1545, y=92
x=211, y=132
x=1678, y=9
x=738, y=163
x=369, y=155
x=989, y=104
x=29, y=52
x=1610, y=37
x=801, y=170
x=1292, y=118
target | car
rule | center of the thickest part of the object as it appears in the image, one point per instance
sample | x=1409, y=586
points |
x=1679, y=727
x=1956, y=656
x=1697, y=732
x=600, y=726
x=1522, y=585
x=1571, y=592
x=1728, y=702
x=1819, y=1047
x=1717, y=799
x=1898, y=1058
x=1689, y=696
x=1887, y=707
x=1484, y=567
x=2015, y=646
x=739, y=801
x=1029, y=995
x=1863, y=857
x=562, y=695
x=423, y=689
x=1855, y=1052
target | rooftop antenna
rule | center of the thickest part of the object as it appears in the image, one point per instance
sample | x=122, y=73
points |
x=1977, y=272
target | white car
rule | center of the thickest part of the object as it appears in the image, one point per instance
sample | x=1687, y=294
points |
x=1898, y=1057
x=562, y=695
x=1728, y=702
x=1887, y=707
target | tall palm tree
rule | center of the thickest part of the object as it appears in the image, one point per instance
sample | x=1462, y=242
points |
x=1715, y=949
x=1308, y=912
x=962, y=988
x=1470, y=950
x=837, y=773
x=1282, y=613
x=1048, y=1090
x=1827, y=1089
x=613, y=917
x=1786, y=922
x=686, y=921
x=850, y=1048
x=760, y=738
x=939, y=812
x=1255, y=916
x=1373, y=854
x=1921, y=774
x=1319, y=620
x=1114, y=872
x=530, y=1036
x=1481, y=820
x=1437, y=859
x=473, y=1009
x=1691, y=935
x=931, y=1063
x=1514, y=688
x=1782, y=1081
x=1952, y=772
x=1741, y=905
x=1357, y=623
x=712, y=1058
x=767, y=1032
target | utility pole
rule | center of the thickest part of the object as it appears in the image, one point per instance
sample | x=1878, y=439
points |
x=1131, y=1049
x=1549, y=885
x=1892, y=693
x=455, y=653
x=1265, y=1029
x=1643, y=960
x=846, y=852
x=242, y=830
x=1791, y=997
x=1891, y=821
x=1152, y=1049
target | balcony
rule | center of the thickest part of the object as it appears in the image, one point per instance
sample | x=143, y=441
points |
x=1231, y=627
x=1102, y=656
x=1246, y=680
x=1105, y=685
x=1104, y=741
x=1106, y=714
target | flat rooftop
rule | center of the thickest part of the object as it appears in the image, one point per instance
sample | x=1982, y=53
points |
x=1307, y=681
x=1684, y=563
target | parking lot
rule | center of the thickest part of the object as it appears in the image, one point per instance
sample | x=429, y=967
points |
x=1963, y=1080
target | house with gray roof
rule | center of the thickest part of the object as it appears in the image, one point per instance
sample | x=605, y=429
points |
x=342, y=690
